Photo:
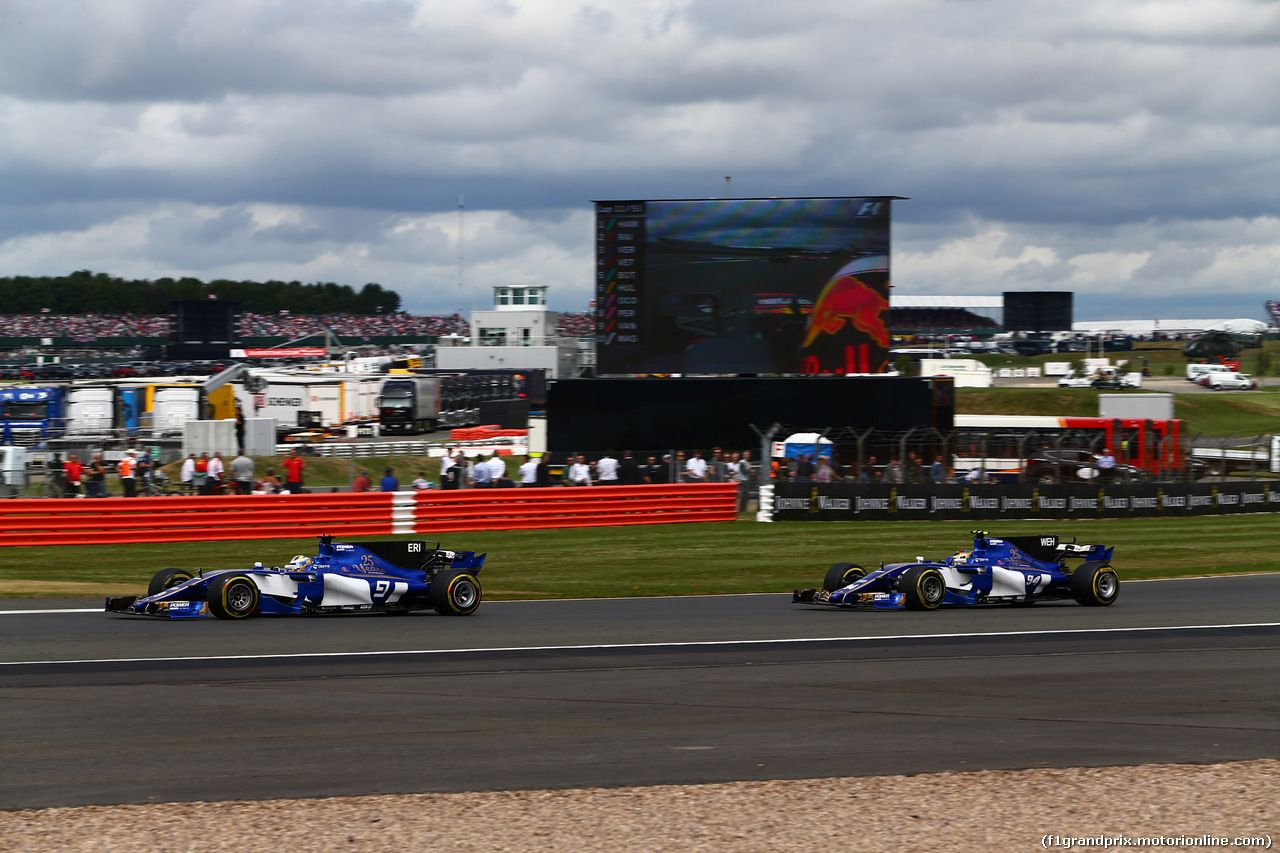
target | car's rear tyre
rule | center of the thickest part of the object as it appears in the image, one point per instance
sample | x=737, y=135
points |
x=233, y=596
x=841, y=575
x=1047, y=478
x=1095, y=584
x=923, y=588
x=166, y=579
x=455, y=593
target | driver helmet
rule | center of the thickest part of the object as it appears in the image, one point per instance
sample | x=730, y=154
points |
x=962, y=556
x=298, y=564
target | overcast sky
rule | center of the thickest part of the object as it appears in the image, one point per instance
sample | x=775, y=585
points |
x=1129, y=151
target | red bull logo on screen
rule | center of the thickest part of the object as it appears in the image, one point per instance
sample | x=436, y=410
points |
x=851, y=316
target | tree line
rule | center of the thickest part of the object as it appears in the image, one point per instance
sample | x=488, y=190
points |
x=87, y=292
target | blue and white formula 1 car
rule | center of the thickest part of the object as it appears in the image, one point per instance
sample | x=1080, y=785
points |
x=1016, y=570
x=392, y=577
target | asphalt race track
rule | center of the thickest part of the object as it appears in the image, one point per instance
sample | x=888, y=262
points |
x=100, y=708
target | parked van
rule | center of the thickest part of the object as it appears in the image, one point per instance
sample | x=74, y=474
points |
x=1195, y=371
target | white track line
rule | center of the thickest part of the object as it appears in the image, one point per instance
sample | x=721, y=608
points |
x=670, y=645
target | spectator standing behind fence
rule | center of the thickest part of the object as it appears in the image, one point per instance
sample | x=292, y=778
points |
x=528, y=473
x=96, y=479
x=937, y=471
x=481, y=474
x=293, y=467
x=1106, y=463
x=242, y=474
x=741, y=474
x=389, y=482
x=201, y=476
x=187, y=476
x=361, y=483
x=695, y=470
x=72, y=471
x=127, y=469
x=216, y=471
x=421, y=484
x=497, y=470
x=629, y=470
x=650, y=471
x=450, y=470
x=580, y=472
x=607, y=469
x=716, y=469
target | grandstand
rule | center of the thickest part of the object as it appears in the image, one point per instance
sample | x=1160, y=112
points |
x=945, y=315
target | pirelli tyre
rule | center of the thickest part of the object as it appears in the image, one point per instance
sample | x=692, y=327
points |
x=1095, y=584
x=841, y=575
x=455, y=593
x=233, y=596
x=922, y=588
x=167, y=579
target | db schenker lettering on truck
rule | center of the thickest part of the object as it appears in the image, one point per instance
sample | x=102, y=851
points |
x=311, y=402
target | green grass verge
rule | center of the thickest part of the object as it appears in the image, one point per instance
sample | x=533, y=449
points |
x=1211, y=414
x=674, y=559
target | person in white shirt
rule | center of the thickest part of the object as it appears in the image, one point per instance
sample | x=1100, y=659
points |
x=607, y=469
x=695, y=470
x=216, y=469
x=448, y=480
x=580, y=473
x=187, y=477
x=528, y=473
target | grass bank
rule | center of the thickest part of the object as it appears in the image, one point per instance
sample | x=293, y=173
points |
x=673, y=559
x=1211, y=414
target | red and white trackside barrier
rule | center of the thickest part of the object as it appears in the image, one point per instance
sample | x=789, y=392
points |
x=194, y=519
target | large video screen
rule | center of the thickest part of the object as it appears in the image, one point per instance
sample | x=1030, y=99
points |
x=743, y=286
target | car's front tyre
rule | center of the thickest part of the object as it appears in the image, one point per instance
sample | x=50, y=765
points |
x=167, y=579
x=1095, y=584
x=233, y=596
x=841, y=575
x=923, y=588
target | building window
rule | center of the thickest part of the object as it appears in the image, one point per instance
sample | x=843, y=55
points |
x=504, y=296
x=493, y=337
x=517, y=296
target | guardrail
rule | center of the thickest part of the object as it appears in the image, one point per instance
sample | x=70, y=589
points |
x=600, y=506
x=63, y=521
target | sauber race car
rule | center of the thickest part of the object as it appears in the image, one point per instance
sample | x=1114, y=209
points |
x=1015, y=570
x=392, y=577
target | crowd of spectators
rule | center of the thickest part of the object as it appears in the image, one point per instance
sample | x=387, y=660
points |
x=350, y=325
x=87, y=327
x=814, y=468
x=576, y=325
x=84, y=326
x=938, y=318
